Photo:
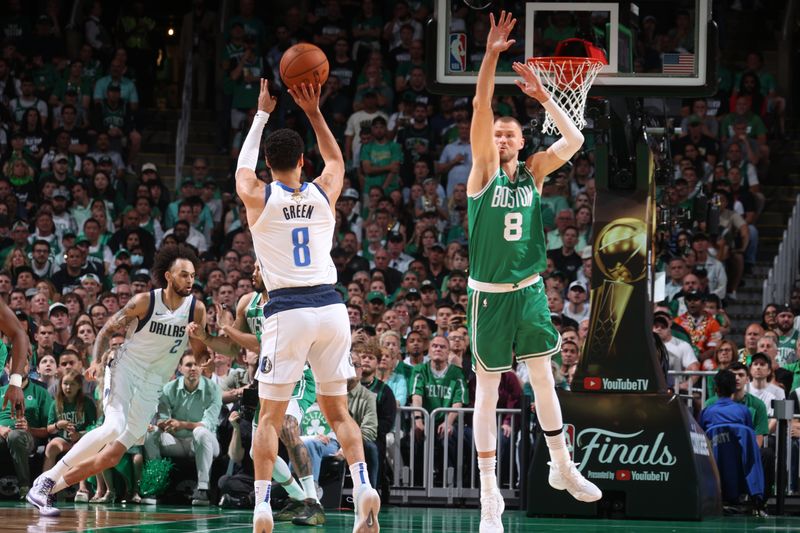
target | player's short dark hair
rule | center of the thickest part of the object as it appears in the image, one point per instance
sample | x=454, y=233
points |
x=725, y=383
x=166, y=258
x=283, y=149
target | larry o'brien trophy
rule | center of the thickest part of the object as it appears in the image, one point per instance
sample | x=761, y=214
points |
x=625, y=432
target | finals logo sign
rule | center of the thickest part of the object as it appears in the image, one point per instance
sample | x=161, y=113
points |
x=616, y=456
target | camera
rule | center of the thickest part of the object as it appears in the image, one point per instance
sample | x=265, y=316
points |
x=249, y=402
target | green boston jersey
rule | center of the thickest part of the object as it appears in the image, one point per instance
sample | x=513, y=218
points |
x=305, y=392
x=254, y=315
x=69, y=412
x=439, y=390
x=787, y=344
x=506, y=234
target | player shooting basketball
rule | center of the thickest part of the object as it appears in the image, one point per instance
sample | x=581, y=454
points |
x=507, y=310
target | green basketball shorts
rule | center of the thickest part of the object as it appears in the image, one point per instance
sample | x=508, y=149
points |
x=504, y=323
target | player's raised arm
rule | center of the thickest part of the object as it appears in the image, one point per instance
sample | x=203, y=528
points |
x=248, y=187
x=485, y=158
x=332, y=177
x=543, y=163
x=200, y=350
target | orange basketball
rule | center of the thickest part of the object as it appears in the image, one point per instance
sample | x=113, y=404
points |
x=304, y=63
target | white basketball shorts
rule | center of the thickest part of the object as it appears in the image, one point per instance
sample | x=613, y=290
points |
x=297, y=329
x=130, y=398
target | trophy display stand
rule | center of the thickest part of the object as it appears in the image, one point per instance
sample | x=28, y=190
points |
x=627, y=435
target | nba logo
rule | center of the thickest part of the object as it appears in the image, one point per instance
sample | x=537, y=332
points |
x=458, y=52
x=569, y=436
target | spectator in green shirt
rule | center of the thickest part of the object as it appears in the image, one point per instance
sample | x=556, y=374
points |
x=188, y=412
x=69, y=416
x=438, y=384
x=381, y=159
x=18, y=435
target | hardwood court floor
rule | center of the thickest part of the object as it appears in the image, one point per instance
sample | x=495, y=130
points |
x=17, y=517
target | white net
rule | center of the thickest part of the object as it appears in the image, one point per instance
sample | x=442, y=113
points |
x=568, y=80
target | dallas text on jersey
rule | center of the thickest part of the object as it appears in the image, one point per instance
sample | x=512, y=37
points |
x=170, y=330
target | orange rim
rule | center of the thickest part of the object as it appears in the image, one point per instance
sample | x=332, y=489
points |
x=567, y=65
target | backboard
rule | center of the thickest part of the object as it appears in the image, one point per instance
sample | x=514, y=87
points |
x=653, y=47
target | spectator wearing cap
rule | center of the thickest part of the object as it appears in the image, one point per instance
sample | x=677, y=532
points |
x=577, y=307
x=762, y=384
x=395, y=245
x=681, y=353
x=701, y=326
x=376, y=305
x=107, y=158
x=565, y=258
x=347, y=205
x=435, y=267
x=42, y=261
x=428, y=297
x=357, y=121
x=717, y=277
x=62, y=218
x=787, y=335
x=58, y=164
x=91, y=284
x=59, y=317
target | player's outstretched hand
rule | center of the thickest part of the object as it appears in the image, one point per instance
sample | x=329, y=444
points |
x=531, y=85
x=306, y=97
x=497, y=41
x=196, y=331
x=266, y=102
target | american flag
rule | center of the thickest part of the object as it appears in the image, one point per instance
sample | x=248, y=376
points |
x=678, y=64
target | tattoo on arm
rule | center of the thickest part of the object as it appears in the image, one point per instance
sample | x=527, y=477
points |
x=118, y=322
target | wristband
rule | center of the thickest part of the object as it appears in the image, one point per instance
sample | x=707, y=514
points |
x=15, y=380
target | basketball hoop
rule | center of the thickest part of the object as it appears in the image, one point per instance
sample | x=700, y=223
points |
x=568, y=80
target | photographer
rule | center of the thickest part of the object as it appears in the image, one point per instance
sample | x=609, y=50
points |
x=237, y=487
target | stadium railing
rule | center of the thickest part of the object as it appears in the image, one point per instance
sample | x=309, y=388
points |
x=449, y=465
x=696, y=391
x=782, y=275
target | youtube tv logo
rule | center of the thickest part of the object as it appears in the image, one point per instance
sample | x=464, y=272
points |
x=592, y=383
x=622, y=475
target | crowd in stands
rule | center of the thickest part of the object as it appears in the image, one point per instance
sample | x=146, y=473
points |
x=81, y=217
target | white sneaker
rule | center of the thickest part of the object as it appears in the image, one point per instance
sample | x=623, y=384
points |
x=367, y=506
x=262, y=518
x=492, y=507
x=573, y=481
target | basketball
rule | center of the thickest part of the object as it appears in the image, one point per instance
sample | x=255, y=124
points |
x=304, y=63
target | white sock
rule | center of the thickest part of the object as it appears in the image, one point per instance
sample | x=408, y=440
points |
x=283, y=477
x=358, y=471
x=309, y=488
x=487, y=466
x=59, y=486
x=557, y=445
x=263, y=489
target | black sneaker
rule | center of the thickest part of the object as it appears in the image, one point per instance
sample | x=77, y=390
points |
x=200, y=497
x=312, y=514
x=289, y=511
